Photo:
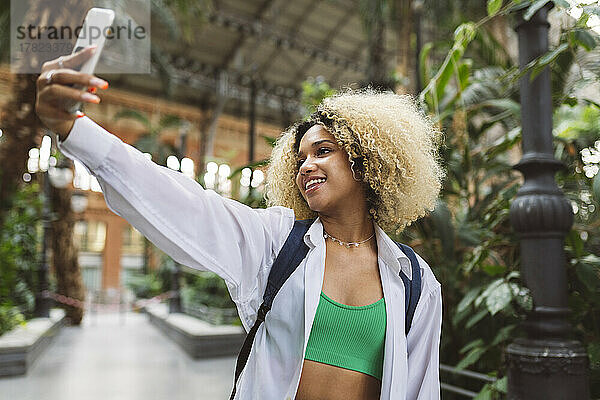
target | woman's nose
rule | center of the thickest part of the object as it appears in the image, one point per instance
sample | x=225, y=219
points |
x=307, y=167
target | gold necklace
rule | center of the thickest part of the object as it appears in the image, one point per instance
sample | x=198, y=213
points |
x=347, y=244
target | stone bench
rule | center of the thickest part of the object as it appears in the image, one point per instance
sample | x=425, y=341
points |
x=20, y=347
x=197, y=338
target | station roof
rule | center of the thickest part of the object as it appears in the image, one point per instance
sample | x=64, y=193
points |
x=273, y=44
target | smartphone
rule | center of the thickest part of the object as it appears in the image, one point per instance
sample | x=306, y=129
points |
x=94, y=31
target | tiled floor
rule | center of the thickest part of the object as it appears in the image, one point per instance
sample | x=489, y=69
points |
x=112, y=357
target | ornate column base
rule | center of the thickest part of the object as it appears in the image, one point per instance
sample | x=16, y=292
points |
x=535, y=366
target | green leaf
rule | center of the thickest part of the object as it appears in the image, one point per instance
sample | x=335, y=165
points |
x=478, y=255
x=467, y=299
x=472, y=357
x=513, y=274
x=464, y=34
x=493, y=6
x=446, y=72
x=571, y=101
x=485, y=393
x=515, y=289
x=493, y=270
x=269, y=140
x=546, y=59
x=596, y=188
x=504, y=104
x=594, y=353
x=499, y=298
x=170, y=121
x=491, y=287
x=583, y=38
x=535, y=7
x=132, y=114
x=423, y=57
x=464, y=72
x=502, y=335
x=501, y=385
x=459, y=316
x=591, y=259
x=589, y=275
x=475, y=318
x=574, y=241
x=524, y=299
x=475, y=343
x=551, y=56
x=583, y=20
x=562, y=3
x=504, y=143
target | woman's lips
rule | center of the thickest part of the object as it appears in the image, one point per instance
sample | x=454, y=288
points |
x=313, y=188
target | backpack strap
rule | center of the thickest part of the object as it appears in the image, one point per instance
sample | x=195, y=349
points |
x=412, y=287
x=292, y=253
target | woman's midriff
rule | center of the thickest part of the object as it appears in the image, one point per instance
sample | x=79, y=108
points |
x=327, y=382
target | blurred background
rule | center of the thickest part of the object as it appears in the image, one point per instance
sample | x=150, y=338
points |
x=227, y=78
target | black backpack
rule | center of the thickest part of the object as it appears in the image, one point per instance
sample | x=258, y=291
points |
x=293, y=252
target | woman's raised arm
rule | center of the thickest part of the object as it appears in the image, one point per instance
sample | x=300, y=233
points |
x=196, y=227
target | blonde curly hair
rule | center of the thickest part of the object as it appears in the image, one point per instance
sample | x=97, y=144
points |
x=391, y=145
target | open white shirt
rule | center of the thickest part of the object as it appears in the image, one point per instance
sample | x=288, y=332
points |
x=203, y=230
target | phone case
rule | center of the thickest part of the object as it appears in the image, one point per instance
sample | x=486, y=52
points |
x=96, y=27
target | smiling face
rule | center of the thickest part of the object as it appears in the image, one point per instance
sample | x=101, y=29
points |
x=325, y=176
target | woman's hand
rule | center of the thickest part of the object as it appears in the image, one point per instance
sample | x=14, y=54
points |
x=57, y=91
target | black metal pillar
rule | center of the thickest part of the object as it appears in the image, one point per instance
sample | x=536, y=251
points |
x=42, y=296
x=546, y=364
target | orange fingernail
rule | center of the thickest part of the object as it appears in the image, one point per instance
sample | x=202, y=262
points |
x=92, y=90
x=90, y=97
x=102, y=84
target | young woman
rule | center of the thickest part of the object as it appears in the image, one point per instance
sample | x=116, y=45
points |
x=363, y=164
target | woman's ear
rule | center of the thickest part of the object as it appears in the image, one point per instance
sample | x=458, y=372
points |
x=357, y=169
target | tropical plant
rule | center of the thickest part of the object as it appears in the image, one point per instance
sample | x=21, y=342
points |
x=150, y=141
x=19, y=257
x=577, y=133
x=468, y=239
x=205, y=296
x=144, y=286
x=158, y=281
x=208, y=289
x=313, y=91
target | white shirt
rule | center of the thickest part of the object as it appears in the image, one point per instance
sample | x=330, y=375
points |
x=203, y=230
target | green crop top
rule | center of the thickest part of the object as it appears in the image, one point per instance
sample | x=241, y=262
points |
x=350, y=337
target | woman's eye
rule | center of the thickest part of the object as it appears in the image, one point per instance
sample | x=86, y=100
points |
x=321, y=151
